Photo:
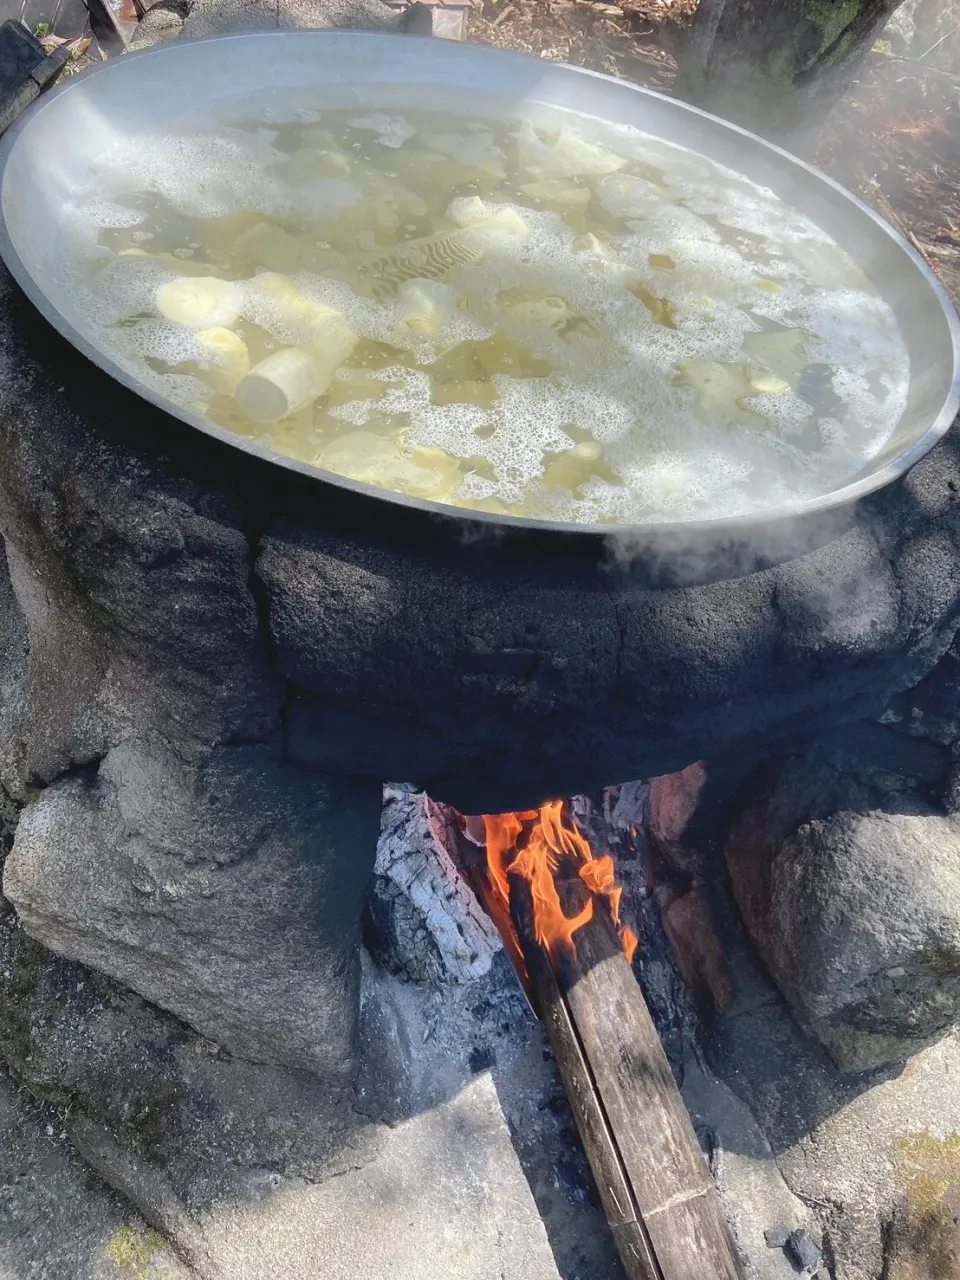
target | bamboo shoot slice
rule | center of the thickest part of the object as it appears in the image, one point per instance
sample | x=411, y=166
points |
x=200, y=302
x=569, y=157
x=467, y=210
x=268, y=246
x=282, y=383
x=539, y=316
x=180, y=266
x=224, y=358
x=558, y=193
x=503, y=224
x=427, y=305
x=276, y=304
x=290, y=379
x=783, y=352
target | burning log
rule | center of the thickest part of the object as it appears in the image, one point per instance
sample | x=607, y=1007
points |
x=658, y=1195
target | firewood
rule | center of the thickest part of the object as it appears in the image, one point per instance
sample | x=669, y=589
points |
x=657, y=1192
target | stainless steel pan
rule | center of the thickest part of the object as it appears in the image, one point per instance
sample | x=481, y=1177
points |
x=41, y=156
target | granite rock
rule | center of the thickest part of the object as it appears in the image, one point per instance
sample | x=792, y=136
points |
x=883, y=1171
x=444, y=1196
x=225, y=888
x=161, y=22
x=752, y=1189
x=851, y=1148
x=848, y=881
x=930, y=710
x=924, y=1237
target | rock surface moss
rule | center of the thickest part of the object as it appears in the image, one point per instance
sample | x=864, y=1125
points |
x=925, y=1235
x=132, y=1249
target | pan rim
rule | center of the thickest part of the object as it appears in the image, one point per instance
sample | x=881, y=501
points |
x=719, y=529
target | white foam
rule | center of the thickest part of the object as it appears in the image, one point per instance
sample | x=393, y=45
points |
x=785, y=412
x=98, y=212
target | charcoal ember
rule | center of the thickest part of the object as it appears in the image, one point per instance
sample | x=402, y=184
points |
x=804, y=1251
x=777, y=1237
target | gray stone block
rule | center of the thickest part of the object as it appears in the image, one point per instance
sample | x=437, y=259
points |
x=444, y=1196
x=848, y=881
x=225, y=888
x=162, y=22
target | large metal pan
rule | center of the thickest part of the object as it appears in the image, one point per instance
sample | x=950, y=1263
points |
x=42, y=154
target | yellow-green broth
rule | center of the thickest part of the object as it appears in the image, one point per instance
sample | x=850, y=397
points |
x=538, y=315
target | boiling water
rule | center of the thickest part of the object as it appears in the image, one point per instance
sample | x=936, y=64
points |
x=536, y=315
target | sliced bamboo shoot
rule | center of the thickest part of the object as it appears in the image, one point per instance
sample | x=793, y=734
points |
x=467, y=210
x=181, y=266
x=200, y=302
x=224, y=358
x=559, y=193
x=571, y=469
x=275, y=303
x=315, y=162
x=426, y=305
x=767, y=383
x=269, y=246
x=782, y=351
x=625, y=195
x=388, y=464
x=290, y=379
x=569, y=157
x=533, y=317
x=504, y=223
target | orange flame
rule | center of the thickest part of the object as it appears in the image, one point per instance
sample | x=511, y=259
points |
x=553, y=844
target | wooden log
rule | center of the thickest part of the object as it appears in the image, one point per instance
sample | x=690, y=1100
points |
x=657, y=1192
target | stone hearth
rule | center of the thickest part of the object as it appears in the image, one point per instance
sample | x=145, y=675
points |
x=205, y=680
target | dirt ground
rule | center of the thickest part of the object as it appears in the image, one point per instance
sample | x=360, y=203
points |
x=635, y=40
x=894, y=139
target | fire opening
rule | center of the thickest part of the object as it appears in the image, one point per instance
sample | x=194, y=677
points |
x=545, y=848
